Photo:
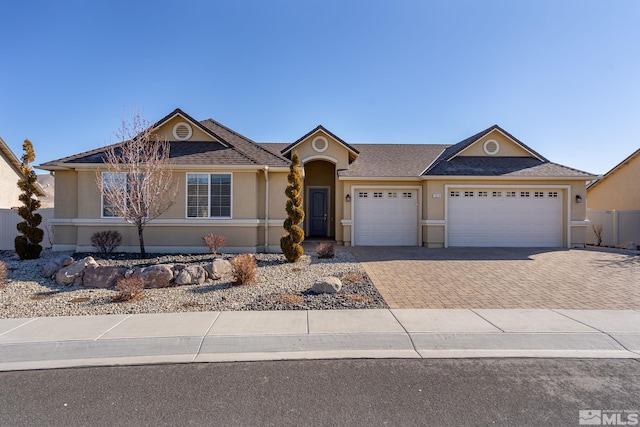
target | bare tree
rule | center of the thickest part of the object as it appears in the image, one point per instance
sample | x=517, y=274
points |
x=137, y=184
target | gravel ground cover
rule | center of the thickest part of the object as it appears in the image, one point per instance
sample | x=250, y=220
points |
x=279, y=286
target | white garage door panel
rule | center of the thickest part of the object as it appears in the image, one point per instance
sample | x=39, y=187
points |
x=385, y=218
x=499, y=220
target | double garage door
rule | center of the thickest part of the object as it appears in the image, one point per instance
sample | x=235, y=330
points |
x=384, y=217
x=527, y=217
x=495, y=217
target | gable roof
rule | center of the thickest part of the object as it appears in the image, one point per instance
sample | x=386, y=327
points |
x=503, y=166
x=231, y=148
x=615, y=168
x=290, y=147
x=456, y=149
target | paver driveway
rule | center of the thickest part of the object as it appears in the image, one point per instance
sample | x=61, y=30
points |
x=503, y=277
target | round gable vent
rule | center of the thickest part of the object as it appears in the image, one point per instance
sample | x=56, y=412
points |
x=320, y=144
x=182, y=131
x=491, y=147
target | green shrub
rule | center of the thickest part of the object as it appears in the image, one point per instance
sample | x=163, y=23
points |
x=27, y=245
x=290, y=242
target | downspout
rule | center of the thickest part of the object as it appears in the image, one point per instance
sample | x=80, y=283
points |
x=266, y=209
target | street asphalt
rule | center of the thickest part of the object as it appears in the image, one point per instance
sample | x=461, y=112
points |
x=57, y=342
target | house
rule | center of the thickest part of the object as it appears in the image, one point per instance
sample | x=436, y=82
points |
x=10, y=174
x=487, y=190
x=613, y=203
x=617, y=189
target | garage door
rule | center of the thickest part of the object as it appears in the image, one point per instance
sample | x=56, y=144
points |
x=386, y=218
x=504, y=217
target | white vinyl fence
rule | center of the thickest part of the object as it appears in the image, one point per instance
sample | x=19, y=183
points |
x=9, y=218
x=618, y=227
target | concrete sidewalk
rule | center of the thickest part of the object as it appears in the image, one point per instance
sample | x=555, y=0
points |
x=54, y=342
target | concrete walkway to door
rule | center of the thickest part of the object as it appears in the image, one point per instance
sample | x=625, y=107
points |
x=417, y=277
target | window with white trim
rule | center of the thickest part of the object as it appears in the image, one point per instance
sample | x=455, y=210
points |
x=117, y=183
x=407, y=195
x=454, y=194
x=524, y=194
x=511, y=194
x=553, y=194
x=377, y=195
x=483, y=194
x=392, y=195
x=468, y=194
x=496, y=194
x=208, y=195
x=363, y=194
x=538, y=194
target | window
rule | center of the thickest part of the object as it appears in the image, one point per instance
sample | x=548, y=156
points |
x=392, y=195
x=468, y=194
x=377, y=195
x=524, y=194
x=538, y=194
x=553, y=194
x=454, y=194
x=407, y=195
x=113, y=183
x=511, y=194
x=497, y=194
x=482, y=194
x=208, y=195
x=363, y=194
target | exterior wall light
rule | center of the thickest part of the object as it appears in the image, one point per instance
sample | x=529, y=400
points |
x=348, y=198
x=578, y=198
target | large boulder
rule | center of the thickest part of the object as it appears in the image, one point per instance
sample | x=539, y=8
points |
x=218, y=268
x=54, y=265
x=156, y=276
x=326, y=285
x=191, y=275
x=72, y=273
x=102, y=277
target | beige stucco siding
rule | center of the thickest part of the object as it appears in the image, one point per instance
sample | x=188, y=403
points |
x=9, y=190
x=166, y=131
x=335, y=151
x=507, y=147
x=620, y=190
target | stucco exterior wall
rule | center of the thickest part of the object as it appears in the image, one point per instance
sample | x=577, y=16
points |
x=9, y=190
x=508, y=148
x=620, y=190
x=166, y=131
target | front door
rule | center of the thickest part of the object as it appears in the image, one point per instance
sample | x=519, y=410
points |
x=318, y=218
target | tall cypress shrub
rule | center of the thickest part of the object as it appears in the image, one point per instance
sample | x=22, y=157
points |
x=290, y=242
x=28, y=245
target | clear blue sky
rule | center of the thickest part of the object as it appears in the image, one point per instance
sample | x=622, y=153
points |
x=562, y=76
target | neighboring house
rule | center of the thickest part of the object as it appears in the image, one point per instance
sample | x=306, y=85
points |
x=618, y=189
x=10, y=174
x=46, y=182
x=488, y=190
x=614, y=203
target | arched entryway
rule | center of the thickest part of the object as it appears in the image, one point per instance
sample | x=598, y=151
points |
x=319, y=198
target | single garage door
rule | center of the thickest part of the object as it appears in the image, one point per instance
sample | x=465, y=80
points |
x=504, y=217
x=386, y=218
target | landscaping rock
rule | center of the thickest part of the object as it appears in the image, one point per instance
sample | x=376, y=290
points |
x=191, y=275
x=53, y=266
x=218, y=268
x=72, y=273
x=102, y=277
x=326, y=285
x=156, y=276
